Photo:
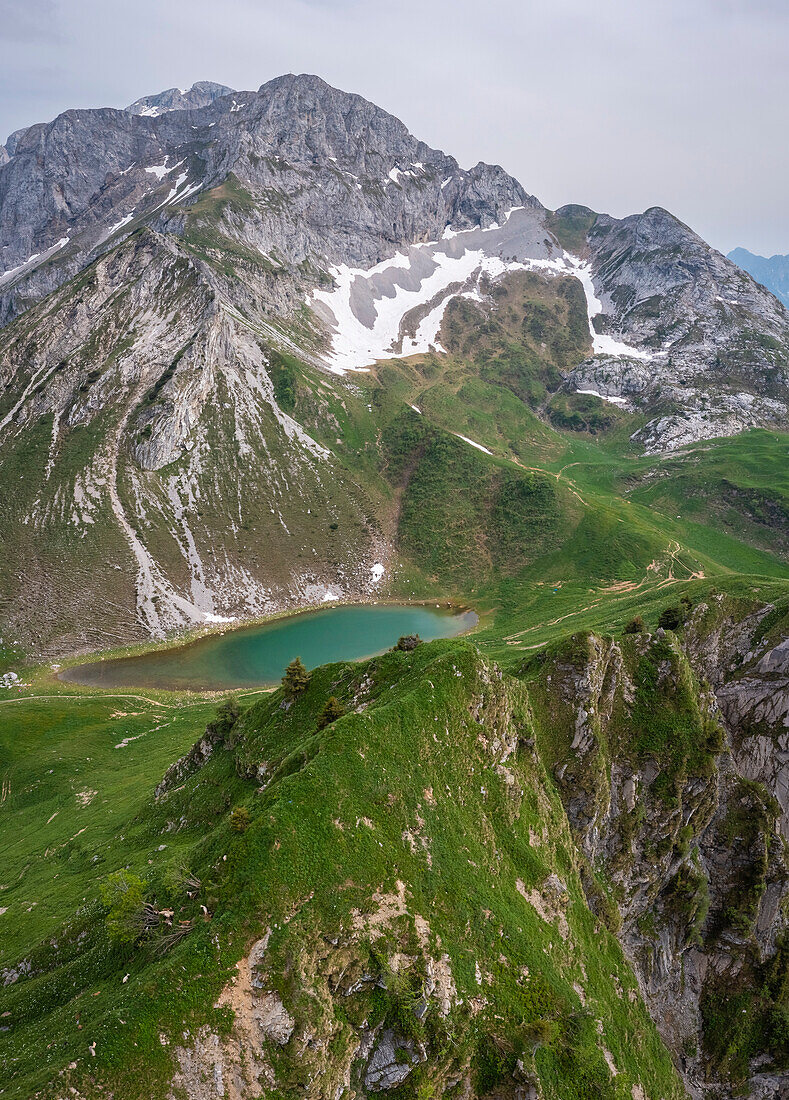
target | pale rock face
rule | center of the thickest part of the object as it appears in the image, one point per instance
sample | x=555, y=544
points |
x=294, y=143
x=209, y=498
x=392, y=1060
x=717, y=341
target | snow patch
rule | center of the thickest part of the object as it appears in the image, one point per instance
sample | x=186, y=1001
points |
x=33, y=261
x=396, y=173
x=377, y=572
x=180, y=181
x=471, y=443
x=601, y=344
x=357, y=345
x=427, y=331
x=161, y=170
x=368, y=310
x=605, y=397
x=119, y=225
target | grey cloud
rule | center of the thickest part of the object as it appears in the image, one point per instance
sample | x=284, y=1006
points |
x=28, y=21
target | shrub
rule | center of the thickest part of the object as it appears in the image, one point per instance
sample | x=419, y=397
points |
x=178, y=879
x=227, y=714
x=296, y=678
x=123, y=895
x=687, y=894
x=538, y=1033
x=332, y=710
x=240, y=819
x=716, y=738
x=635, y=626
x=408, y=642
x=671, y=618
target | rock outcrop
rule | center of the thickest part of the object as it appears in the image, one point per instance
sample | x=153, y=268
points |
x=674, y=777
x=697, y=344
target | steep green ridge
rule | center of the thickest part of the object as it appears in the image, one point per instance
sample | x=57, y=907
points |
x=393, y=851
x=672, y=798
x=454, y=878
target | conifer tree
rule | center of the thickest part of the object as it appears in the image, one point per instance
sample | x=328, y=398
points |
x=332, y=710
x=295, y=679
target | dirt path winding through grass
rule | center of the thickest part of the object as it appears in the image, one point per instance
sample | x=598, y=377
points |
x=140, y=698
x=622, y=590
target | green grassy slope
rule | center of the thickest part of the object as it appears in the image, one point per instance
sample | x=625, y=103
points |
x=76, y=769
x=410, y=809
x=432, y=793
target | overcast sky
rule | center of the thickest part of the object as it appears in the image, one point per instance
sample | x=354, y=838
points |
x=617, y=104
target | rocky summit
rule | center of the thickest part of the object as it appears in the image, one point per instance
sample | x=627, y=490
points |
x=265, y=352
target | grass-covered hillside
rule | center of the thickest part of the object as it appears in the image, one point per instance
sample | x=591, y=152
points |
x=405, y=877
x=544, y=861
x=427, y=874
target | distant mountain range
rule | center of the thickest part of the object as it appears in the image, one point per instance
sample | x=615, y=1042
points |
x=201, y=94
x=772, y=272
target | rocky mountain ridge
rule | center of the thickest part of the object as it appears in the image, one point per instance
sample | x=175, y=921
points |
x=473, y=882
x=694, y=843
x=295, y=142
x=173, y=281
x=690, y=338
x=199, y=95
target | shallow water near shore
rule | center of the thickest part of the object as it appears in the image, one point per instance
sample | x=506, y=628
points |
x=256, y=656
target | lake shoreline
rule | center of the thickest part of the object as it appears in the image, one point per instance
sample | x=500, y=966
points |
x=97, y=673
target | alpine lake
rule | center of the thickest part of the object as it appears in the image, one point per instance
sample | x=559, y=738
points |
x=256, y=656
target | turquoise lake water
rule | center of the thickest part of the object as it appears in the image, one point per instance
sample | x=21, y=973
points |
x=256, y=656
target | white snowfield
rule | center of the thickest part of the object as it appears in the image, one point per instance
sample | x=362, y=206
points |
x=395, y=308
x=160, y=170
x=119, y=225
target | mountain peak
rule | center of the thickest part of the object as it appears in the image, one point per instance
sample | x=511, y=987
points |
x=201, y=94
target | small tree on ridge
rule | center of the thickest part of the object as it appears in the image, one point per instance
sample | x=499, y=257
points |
x=295, y=679
x=332, y=710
